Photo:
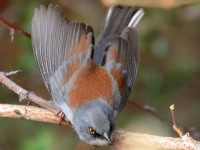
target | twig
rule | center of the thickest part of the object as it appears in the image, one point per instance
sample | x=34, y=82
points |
x=13, y=28
x=26, y=95
x=175, y=127
x=189, y=141
x=7, y=74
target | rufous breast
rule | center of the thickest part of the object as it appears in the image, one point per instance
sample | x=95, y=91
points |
x=91, y=83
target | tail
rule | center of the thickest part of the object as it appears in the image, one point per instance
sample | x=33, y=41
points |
x=116, y=20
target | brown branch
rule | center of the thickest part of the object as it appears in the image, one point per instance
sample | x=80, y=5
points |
x=29, y=113
x=175, y=127
x=121, y=139
x=167, y=4
x=13, y=28
x=125, y=140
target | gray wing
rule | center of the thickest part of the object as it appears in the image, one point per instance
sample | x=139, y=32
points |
x=59, y=46
x=117, y=18
x=117, y=49
x=131, y=62
x=122, y=62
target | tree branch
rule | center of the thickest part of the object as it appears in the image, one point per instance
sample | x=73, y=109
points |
x=128, y=139
x=25, y=95
x=121, y=139
x=29, y=113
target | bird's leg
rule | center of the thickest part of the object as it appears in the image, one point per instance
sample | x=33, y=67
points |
x=62, y=116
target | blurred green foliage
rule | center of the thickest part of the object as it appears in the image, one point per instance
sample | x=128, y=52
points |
x=169, y=73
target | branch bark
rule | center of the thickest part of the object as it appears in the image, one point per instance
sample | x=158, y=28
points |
x=121, y=139
x=29, y=113
x=125, y=140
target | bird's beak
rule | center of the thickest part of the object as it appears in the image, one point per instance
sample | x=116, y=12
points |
x=107, y=136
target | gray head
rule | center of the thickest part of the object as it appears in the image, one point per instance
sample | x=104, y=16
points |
x=94, y=122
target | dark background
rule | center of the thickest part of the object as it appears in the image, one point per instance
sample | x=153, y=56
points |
x=169, y=72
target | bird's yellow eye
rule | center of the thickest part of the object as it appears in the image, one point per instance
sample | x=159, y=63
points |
x=92, y=131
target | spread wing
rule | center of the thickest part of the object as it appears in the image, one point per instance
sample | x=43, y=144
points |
x=122, y=62
x=117, y=48
x=60, y=46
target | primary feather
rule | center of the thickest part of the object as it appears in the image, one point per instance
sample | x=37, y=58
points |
x=60, y=46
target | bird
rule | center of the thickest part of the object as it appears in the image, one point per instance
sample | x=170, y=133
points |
x=90, y=83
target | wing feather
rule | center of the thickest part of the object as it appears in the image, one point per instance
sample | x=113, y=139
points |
x=131, y=63
x=57, y=42
x=122, y=62
x=117, y=48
